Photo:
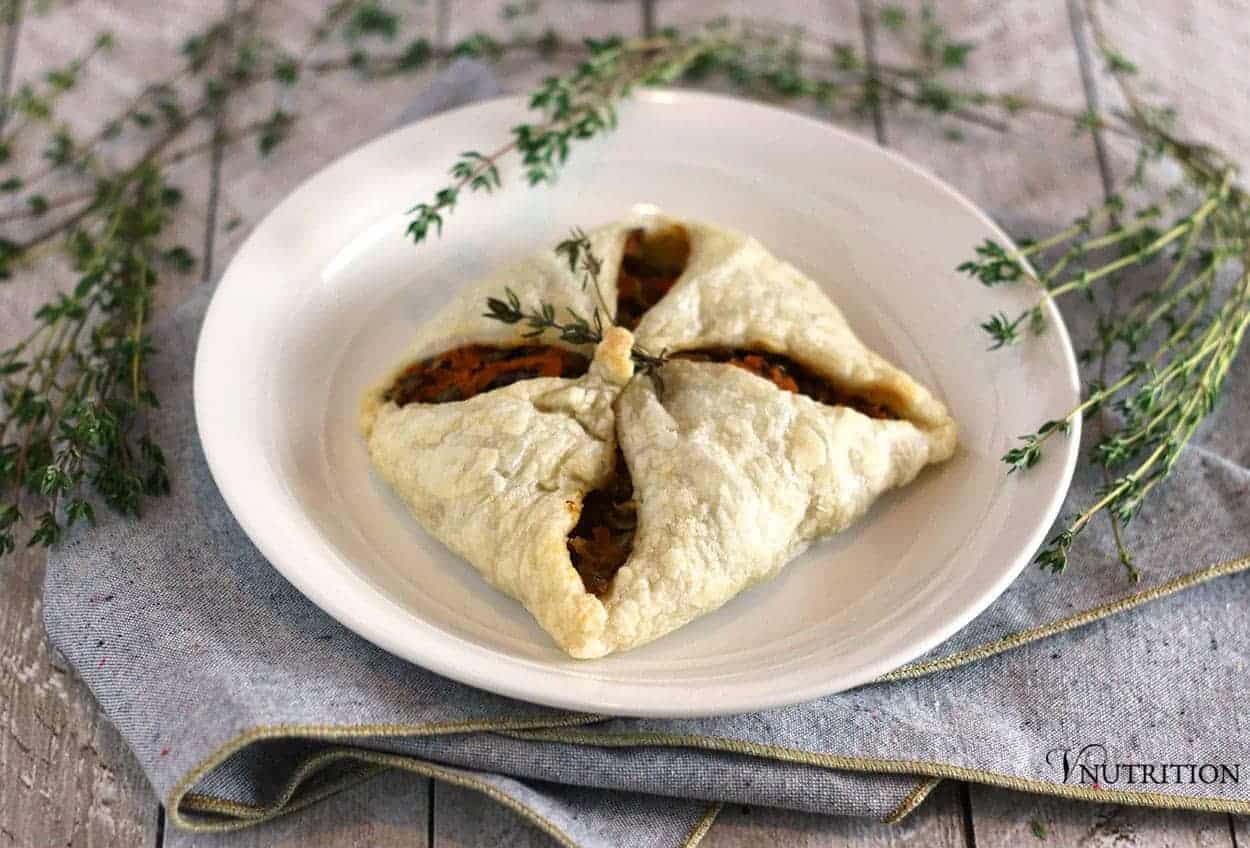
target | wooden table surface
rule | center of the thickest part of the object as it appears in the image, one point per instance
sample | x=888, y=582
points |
x=66, y=778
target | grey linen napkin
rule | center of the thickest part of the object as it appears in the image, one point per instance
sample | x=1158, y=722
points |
x=242, y=700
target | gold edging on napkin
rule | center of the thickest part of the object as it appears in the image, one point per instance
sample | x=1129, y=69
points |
x=875, y=765
x=550, y=728
x=1023, y=637
x=252, y=815
x=247, y=815
x=181, y=795
x=913, y=800
x=703, y=825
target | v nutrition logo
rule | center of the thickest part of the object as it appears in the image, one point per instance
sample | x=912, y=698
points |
x=1095, y=766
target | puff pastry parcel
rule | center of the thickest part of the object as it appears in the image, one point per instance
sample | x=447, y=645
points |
x=617, y=506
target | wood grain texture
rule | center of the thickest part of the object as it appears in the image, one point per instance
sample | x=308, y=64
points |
x=829, y=22
x=146, y=51
x=467, y=819
x=1037, y=170
x=390, y=809
x=937, y=824
x=335, y=113
x=572, y=19
x=1192, y=55
x=66, y=777
x=1004, y=818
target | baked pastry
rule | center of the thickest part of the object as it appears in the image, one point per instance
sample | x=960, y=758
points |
x=617, y=506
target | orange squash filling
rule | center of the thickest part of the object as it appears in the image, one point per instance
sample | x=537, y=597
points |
x=603, y=537
x=651, y=264
x=463, y=372
x=790, y=376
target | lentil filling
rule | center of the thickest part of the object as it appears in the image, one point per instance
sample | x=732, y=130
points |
x=463, y=372
x=789, y=375
x=603, y=537
x=651, y=264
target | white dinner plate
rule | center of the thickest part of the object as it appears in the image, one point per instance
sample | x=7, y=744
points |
x=324, y=296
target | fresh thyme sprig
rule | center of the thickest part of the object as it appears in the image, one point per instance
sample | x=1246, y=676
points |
x=757, y=56
x=74, y=392
x=574, y=107
x=1174, y=345
x=578, y=330
x=76, y=386
x=579, y=253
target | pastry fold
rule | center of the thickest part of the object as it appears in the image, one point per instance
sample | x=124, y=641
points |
x=734, y=472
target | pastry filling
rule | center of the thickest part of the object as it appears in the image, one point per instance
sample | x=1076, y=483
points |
x=789, y=375
x=604, y=535
x=463, y=372
x=651, y=264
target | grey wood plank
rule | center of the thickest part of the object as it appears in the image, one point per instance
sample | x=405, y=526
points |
x=1190, y=54
x=868, y=13
x=1037, y=170
x=217, y=151
x=938, y=823
x=1005, y=818
x=464, y=818
x=827, y=21
x=1078, y=23
x=833, y=20
x=146, y=51
x=571, y=19
x=8, y=60
x=334, y=114
x=390, y=809
x=66, y=777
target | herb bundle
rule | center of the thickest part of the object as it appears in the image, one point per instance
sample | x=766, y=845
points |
x=1162, y=362
x=74, y=391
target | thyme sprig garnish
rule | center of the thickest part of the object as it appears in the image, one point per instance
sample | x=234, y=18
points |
x=579, y=253
x=577, y=330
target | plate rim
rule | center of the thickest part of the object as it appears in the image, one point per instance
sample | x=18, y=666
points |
x=436, y=657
